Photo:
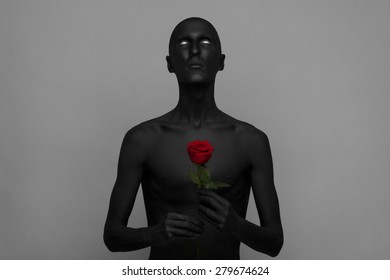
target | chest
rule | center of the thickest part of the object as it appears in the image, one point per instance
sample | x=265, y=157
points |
x=170, y=164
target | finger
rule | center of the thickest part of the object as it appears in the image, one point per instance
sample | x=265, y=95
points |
x=176, y=216
x=179, y=232
x=185, y=224
x=212, y=216
x=182, y=217
x=218, y=198
x=210, y=202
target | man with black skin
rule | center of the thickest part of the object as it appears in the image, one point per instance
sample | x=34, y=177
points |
x=185, y=222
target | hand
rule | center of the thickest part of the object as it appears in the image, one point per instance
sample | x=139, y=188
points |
x=218, y=211
x=176, y=225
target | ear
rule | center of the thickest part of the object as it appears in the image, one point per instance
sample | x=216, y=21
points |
x=222, y=62
x=169, y=64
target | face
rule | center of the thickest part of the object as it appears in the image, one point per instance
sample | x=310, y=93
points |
x=195, y=52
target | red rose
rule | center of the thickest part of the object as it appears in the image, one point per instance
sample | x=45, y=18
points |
x=199, y=151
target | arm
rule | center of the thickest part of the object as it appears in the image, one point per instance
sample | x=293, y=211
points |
x=119, y=237
x=267, y=238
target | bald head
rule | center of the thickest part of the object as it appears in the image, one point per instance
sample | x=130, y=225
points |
x=192, y=21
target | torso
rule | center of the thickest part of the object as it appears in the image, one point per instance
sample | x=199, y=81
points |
x=167, y=188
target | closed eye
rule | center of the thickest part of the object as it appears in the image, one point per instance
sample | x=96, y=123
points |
x=183, y=43
x=206, y=41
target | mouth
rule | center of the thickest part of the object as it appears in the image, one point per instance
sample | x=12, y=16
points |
x=195, y=65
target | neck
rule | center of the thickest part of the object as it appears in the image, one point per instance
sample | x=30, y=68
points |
x=196, y=104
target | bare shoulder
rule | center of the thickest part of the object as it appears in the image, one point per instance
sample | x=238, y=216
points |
x=246, y=130
x=253, y=141
x=250, y=134
x=141, y=136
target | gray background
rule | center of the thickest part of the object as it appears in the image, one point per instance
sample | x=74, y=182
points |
x=76, y=75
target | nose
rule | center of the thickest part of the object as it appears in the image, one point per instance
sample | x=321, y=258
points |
x=195, y=49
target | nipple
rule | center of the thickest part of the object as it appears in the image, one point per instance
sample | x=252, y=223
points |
x=196, y=123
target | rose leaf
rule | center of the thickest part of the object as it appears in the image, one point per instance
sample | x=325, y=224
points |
x=194, y=178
